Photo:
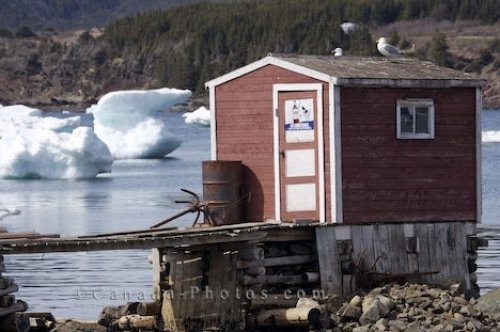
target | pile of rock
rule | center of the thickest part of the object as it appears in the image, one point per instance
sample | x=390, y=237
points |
x=415, y=307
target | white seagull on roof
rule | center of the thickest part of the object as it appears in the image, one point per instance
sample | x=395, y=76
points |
x=387, y=49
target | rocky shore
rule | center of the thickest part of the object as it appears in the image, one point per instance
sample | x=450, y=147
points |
x=409, y=307
x=415, y=307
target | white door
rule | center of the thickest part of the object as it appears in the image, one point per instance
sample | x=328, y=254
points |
x=299, y=156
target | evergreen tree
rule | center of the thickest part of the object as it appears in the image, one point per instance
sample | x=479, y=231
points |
x=439, y=50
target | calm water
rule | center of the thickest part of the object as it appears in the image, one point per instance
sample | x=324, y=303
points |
x=136, y=195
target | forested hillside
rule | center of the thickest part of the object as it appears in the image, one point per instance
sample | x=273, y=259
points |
x=73, y=14
x=195, y=43
x=185, y=46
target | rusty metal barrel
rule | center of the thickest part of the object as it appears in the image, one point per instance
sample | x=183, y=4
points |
x=222, y=191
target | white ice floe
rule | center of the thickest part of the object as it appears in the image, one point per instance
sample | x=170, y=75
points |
x=38, y=146
x=387, y=49
x=201, y=116
x=131, y=123
x=491, y=137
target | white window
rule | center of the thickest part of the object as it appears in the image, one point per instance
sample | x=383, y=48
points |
x=415, y=119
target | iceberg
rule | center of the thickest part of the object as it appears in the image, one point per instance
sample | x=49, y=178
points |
x=131, y=123
x=491, y=136
x=37, y=146
x=201, y=116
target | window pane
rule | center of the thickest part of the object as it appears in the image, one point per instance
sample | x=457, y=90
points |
x=422, y=120
x=406, y=120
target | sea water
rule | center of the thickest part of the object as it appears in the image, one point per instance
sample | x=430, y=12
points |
x=136, y=195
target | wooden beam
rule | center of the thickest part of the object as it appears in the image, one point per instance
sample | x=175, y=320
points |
x=99, y=244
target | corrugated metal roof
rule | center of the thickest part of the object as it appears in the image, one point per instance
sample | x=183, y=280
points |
x=376, y=67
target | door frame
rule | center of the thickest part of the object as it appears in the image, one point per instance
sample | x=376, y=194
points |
x=291, y=87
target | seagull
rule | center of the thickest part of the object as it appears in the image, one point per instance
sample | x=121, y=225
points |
x=337, y=52
x=387, y=49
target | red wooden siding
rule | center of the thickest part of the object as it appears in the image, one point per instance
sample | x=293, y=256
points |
x=391, y=180
x=244, y=117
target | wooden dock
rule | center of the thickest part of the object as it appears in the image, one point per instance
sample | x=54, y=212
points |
x=139, y=239
x=250, y=269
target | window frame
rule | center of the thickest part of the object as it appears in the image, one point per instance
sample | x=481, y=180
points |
x=412, y=104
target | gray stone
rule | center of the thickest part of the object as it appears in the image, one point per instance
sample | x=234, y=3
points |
x=350, y=312
x=397, y=325
x=371, y=314
x=477, y=324
x=349, y=327
x=460, y=300
x=458, y=323
x=382, y=309
x=365, y=328
x=367, y=303
x=469, y=310
x=356, y=300
x=386, y=301
x=381, y=325
x=492, y=297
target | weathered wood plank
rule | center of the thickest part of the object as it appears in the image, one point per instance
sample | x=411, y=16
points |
x=90, y=244
x=434, y=257
x=231, y=306
x=329, y=264
x=363, y=250
x=461, y=250
x=191, y=285
x=157, y=273
x=442, y=253
x=177, y=285
x=397, y=244
x=381, y=248
x=424, y=263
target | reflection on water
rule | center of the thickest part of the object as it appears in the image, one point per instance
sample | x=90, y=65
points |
x=81, y=284
x=489, y=259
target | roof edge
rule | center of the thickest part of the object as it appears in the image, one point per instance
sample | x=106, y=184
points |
x=306, y=71
x=268, y=60
x=411, y=83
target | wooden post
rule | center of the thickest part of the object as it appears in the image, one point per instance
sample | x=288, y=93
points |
x=167, y=313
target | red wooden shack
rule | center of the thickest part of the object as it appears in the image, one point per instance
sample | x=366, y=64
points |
x=351, y=140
